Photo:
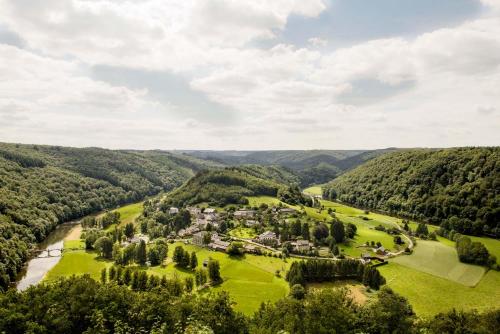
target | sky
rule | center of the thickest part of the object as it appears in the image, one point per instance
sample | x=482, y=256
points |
x=250, y=74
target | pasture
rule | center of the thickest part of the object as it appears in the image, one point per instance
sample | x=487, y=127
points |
x=128, y=214
x=314, y=190
x=437, y=259
x=78, y=262
x=250, y=280
x=430, y=294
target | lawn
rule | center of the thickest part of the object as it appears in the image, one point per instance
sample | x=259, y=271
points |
x=437, y=259
x=430, y=294
x=243, y=232
x=250, y=280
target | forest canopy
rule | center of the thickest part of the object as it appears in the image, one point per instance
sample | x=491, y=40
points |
x=457, y=188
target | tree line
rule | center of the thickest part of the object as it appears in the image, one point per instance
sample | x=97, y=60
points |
x=317, y=271
x=82, y=305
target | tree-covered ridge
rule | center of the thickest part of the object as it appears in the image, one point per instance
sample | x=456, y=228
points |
x=311, y=166
x=41, y=186
x=457, y=188
x=232, y=185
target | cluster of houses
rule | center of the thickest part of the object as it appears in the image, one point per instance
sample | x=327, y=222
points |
x=201, y=221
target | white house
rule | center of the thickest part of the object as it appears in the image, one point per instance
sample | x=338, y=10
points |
x=301, y=245
x=244, y=213
x=173, y=210
x=268, y=237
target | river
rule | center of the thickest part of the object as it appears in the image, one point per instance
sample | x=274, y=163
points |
x=36, y=268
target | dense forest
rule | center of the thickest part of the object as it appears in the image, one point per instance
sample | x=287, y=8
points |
x=82, y=305
x=231, y=185
x=311, y=167
x=457, y=188
x=42, y=186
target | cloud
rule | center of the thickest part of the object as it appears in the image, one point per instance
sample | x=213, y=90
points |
x=118, y=73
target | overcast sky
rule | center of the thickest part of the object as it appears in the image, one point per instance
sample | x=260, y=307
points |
x=250, y=74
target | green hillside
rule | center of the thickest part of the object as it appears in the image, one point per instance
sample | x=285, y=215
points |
x=312, y=166
x=233, y=184
x=458, y=188
x=42, y=186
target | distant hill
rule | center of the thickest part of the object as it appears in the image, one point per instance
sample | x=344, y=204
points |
x=41, y=186
x=232, y=184
x=312, y=166
x=458, y=188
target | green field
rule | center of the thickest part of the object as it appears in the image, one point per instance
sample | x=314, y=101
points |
x=429, y=294
x=128, y=213
x=243, y=232
x=437, y=259
x=250, y=280
x=314, y=190
x=77, y=263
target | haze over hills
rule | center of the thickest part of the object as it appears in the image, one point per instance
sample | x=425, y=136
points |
x=312, y=166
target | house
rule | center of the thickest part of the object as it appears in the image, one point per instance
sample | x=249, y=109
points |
x=209, y=211
x=198, y=238
x=250, y=249
x=219, y=245
x=381, y=251
x=301, y=245
x=268, y=238
x=173, y=211
x=366, y=258
x=188, y=231
x=244, y=214
x=251, y=223
x=137, y=238
x=287, y=210
x=194, y=210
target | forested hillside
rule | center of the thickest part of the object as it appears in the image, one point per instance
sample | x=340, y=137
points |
x=312, y=166
x=42, y=186
x=232, y=184
x=458, y=188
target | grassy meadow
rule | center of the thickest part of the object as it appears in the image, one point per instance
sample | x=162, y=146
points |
x=430, y=294
x=250, y=280
x=128, y=214
x=314, y=190
x=437, y=259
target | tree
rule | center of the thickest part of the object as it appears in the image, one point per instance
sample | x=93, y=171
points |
x=178, y=254
x=140, y=253
x=350, y=230
x=305, y=231
x=320, y=232
x=127, y=276
x=117, y=253
x=129, y=230
x=194, y=261
x=297, y=291
x=200, y=276
x=104, y=246
x=337, y=231
x=422, y=230
x=103, y=276
x=188, y=283
x=214, y=271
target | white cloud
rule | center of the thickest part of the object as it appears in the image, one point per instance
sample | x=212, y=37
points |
x=425, y=91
